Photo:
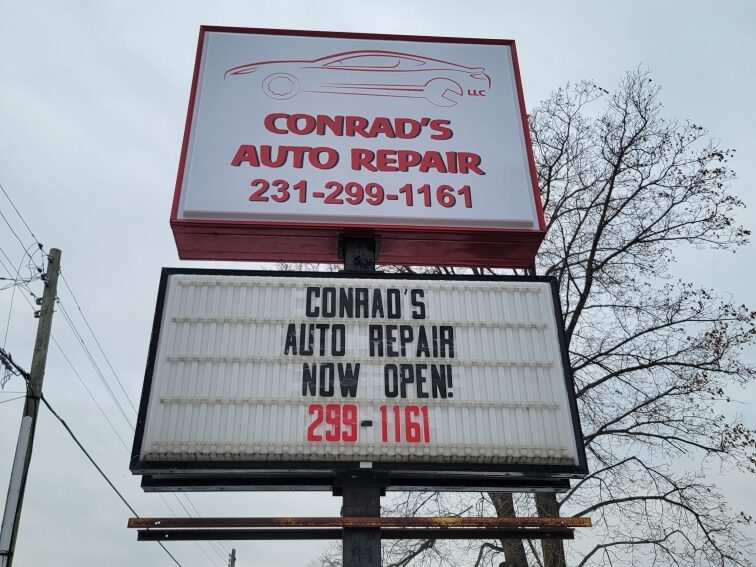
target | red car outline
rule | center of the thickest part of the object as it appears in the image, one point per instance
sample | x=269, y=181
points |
x=435, y=80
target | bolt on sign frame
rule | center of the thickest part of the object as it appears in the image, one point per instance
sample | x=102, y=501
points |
x=286, y=380
x=294, y=138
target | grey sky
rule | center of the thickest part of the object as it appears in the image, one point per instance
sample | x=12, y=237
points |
x=93, y=99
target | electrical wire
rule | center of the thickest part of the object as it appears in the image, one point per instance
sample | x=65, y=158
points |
x=202, y=549
x=40, y=270
x=209, y=542
x=12, y=399
x=97, y=342
x=18, y=279
x=26, y=252
x=94, y=364
x=219, y=549
x=13, y=296
x=31, y=392
x=102, y=473
x=81, y=381
x=115, y=431
x=18, y=213
x=10, y=226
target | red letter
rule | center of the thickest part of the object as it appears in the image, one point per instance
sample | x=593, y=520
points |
x=298, y=153
x=362, y=158
x=407, y=159
x=440, y=126
x=331, y=155
x=469, y=162
x=432, y=160
x=385, y=160
x=266, y=155
x=381, y=125
x=356, y=125
x=401, y=132
x=335, y=124
x=270, y=123
x=246, y=153
x=292, y=123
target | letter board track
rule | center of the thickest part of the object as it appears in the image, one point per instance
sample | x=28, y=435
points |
x=305, y=371
x=294, y=137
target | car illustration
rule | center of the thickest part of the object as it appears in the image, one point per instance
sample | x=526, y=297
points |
x=369, y=73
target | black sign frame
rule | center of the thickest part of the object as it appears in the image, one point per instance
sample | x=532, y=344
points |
x=313, y=475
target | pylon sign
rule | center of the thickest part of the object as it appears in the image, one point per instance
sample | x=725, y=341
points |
x=286, y=373
x=296, y=138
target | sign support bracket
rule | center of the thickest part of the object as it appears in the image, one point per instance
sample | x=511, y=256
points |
x=359, y=253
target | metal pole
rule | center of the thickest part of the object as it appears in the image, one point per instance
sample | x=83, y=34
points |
x=361, y=492
x=362, y=498
x=232, y=558
x=20, y=471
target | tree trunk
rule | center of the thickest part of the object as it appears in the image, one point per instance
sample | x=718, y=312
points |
x=553, y=549
x=514, y=549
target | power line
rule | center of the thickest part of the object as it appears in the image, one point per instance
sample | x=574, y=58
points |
x=13, y=295
x=210, y=543
x=97, y=342
x=22, y=284
x=202, y=549
x=71, y=324
x=117, y=434
x=99, y=407
x=10, y=226
x=18, y=281
x=218, y=548
x=99, y=470
x=76, y=333
x=18, y=213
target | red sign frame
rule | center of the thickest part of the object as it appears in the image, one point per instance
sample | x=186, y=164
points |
x=198, y=239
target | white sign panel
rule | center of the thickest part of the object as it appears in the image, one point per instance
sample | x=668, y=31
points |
x=261, y=368
x=357, y=130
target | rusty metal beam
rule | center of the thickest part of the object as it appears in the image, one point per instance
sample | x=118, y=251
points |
x=356, y=522
x=336, y=534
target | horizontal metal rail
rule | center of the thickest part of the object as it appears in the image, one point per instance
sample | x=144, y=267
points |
x=354, y=522
x=337, y=534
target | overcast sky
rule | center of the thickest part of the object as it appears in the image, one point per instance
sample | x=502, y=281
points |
x=93, y=98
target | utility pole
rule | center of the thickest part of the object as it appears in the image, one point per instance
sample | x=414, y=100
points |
x=20, y=470
x=232, y=558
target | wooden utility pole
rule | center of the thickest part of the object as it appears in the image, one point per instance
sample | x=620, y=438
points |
x=20, y=470
x=232, y=558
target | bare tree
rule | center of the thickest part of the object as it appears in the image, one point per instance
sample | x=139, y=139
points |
x=654, y=358
x=651, y=356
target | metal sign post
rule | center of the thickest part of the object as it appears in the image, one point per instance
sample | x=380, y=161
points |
x=361, y=499
x=361, y=493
